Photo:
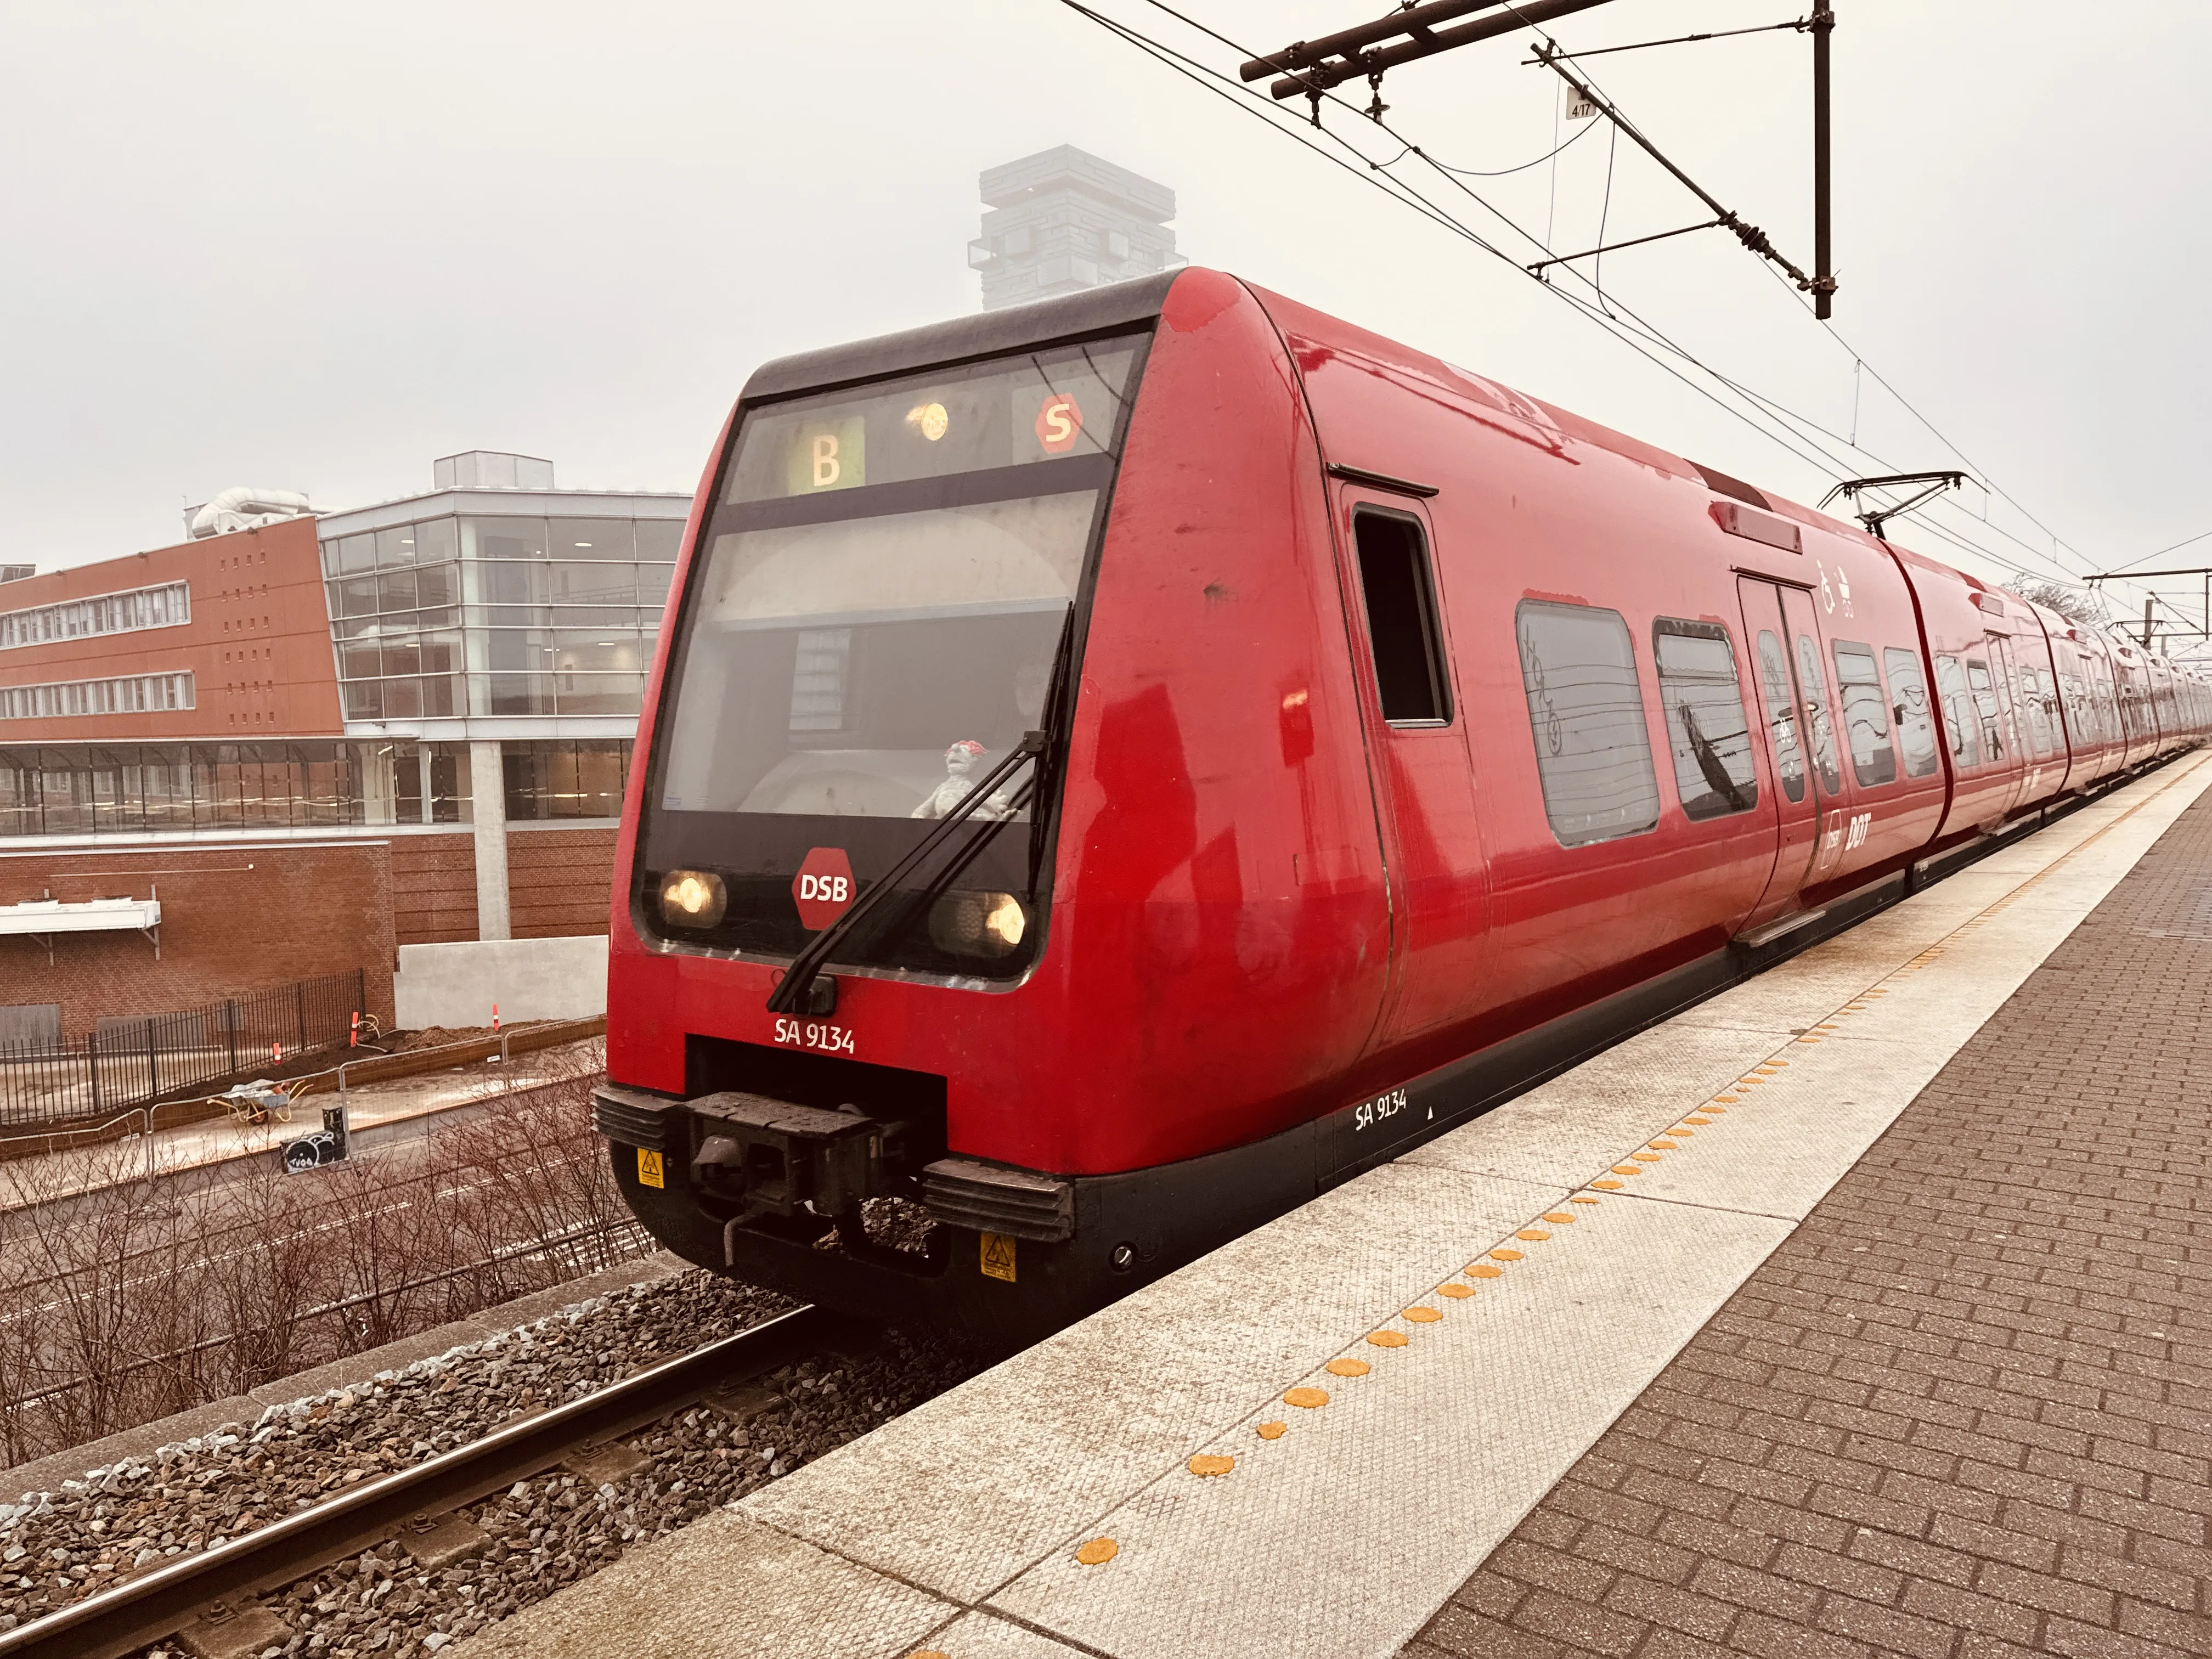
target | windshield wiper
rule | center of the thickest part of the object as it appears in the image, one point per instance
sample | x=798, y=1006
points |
x=790, y=995
x=1059, y=695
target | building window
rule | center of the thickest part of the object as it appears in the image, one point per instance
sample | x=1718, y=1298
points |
x=129, y=694
x=1705, y=725
x=169, y=605
x=63, y=789
x=1586, y=711
x=559, y=779
x=499, y=616
x=818, y=673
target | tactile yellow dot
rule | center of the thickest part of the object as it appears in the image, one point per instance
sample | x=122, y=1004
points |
x=1626, y=1169
x=1713, y=1111
x=1726, y=1100
x=1700, y=1122
x=1664, y=1145
x=1602, y=1186
x=1424, y=1315
x=1774, y=1065
x=1534, y=1235
x=928, y=1653
x=1098, y=1552
x=1307, y=1397
x=1808, y=1039
x=1505, y=1255
x=1209, y=1463
x=1645, y=1158
x=1484, y=1270
x=1346, y=1366
x=1584, y=1198
x=1559, y=1215
x=1680, y=1134
x=1455, y=1292
x=1271, y=1431
x=1387, y=1338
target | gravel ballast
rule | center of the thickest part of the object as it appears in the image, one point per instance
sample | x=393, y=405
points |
x=57, y=1548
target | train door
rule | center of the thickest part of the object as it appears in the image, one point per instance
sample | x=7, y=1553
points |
x=1995, y=699
x=1821, y=739
x=1439, y=880
x=2031, y=713
x=1797, y=800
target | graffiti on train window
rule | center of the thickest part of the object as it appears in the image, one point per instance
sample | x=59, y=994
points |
x=1814, y=685
x=1781, y=714
x=1586, y=713
x=1908, y=707
x=1866, y=714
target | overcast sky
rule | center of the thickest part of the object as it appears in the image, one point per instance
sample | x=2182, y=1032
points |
x=314, y=247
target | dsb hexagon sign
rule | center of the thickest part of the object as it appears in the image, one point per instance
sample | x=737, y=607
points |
x=822, y=887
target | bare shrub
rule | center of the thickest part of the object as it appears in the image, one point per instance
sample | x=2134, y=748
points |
x=124, y=1300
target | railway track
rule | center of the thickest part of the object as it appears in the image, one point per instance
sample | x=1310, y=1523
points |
x=211, y=1591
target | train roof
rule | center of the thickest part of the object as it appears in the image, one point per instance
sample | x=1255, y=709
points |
x=1140, y=300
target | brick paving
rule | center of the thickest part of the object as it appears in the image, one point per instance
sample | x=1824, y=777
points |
x=1966, y=1410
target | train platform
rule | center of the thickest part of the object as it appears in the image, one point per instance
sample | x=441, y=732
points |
x=1853, y=1312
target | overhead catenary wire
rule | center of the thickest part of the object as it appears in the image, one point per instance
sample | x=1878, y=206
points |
x=1398, y=190
x=1788, y=428
x=2186, y=541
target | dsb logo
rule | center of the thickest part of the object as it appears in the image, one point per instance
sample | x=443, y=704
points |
x=823, y=888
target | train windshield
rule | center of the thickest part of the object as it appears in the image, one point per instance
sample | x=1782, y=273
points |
x=885, y=587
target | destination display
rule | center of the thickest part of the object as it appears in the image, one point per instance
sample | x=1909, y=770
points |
x=1039, y=407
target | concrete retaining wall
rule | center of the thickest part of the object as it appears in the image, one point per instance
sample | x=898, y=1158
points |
x=456, y=984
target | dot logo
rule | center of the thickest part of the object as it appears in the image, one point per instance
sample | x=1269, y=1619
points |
x=1059, y=424
x=823, y=887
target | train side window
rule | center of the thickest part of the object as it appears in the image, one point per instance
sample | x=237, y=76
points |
x=1908, y=705
x=1985, y=706
x=1815, y=688
x=2035, y=696
x=1958, y=722
x=1866, y=714
x=1782, y=713
x=1705, y=724
x=1586, y=713
x=1402, y=619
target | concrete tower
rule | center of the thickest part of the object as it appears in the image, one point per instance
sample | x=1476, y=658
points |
x=1064, y=220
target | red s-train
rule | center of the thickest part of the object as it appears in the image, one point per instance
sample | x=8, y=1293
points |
x=1118, y=767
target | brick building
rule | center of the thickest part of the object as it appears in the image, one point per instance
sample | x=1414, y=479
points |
x=327, y=742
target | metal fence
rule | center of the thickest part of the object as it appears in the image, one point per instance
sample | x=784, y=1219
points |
x=139, y=1059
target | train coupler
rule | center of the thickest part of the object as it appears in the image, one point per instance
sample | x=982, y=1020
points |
x=778, y=1159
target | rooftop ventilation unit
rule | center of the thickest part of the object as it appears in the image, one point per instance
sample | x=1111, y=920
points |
x=245, y=508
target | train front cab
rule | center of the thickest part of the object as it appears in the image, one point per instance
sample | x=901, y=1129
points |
x=1205, y=951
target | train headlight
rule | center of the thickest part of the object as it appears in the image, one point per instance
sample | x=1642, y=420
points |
x=693, y=898
x=978, y=924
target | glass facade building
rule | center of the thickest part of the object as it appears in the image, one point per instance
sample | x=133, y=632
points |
x=81, y=789
x=487, y=651
x=476, y=616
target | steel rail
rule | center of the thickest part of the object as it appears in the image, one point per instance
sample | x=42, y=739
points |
x=164, y=1599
